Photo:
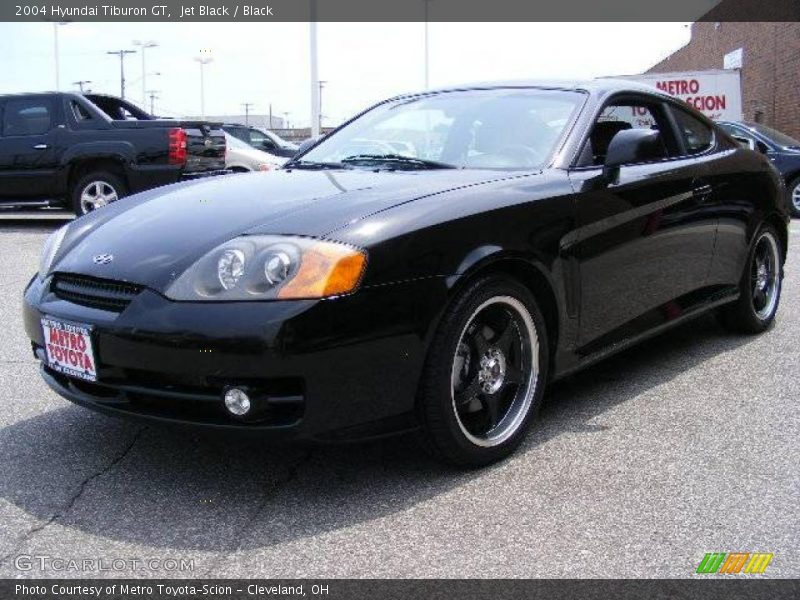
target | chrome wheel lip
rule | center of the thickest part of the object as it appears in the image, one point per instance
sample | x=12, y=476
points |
x=97, y=194
x=770, y=278
x=796, y=196
x=511, y=421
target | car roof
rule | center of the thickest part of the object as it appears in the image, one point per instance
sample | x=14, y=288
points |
x=600, y=85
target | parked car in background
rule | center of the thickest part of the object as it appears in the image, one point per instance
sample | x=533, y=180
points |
x=85, y=151
x=261, y=139
x=781, y=149
x=537, y=229
x=241, y=157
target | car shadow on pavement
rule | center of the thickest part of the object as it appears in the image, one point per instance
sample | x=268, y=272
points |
x=169, y=489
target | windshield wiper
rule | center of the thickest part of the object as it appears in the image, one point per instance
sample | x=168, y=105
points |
x=311, y=164
x=397, y=158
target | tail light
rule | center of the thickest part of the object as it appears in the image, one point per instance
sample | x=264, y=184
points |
x=177, y=146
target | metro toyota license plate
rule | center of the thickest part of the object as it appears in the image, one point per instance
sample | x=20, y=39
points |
x=69, y=349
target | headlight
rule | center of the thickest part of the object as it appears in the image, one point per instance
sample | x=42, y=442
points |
x=50, y=249
x=268, y=267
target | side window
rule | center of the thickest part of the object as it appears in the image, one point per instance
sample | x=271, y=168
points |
x=621, y=116
x=697, y=136
x=80, y=112
x=27, y=117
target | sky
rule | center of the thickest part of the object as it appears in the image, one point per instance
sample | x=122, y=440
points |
x=361, y=63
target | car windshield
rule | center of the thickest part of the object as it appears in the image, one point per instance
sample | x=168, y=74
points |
x=509, y=128
x=781, y=139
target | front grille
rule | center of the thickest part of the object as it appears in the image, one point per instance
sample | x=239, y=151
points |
x=94, y=293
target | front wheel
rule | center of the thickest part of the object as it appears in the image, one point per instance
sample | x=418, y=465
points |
x=485, y=374
x=760, y=287
x=794, y=196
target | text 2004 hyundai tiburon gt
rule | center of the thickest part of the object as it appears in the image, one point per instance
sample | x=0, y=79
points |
x=430, y=265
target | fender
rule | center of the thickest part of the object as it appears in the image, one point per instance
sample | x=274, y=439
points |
x=120, y=151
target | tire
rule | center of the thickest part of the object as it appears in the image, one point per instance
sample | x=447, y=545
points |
x=793, y=188
x=485, y=374
x=104, y=186
x=760, y=287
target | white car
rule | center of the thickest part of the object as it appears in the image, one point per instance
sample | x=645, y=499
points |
x=241, y=157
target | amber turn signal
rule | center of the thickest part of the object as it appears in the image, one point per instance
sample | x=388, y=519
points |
x=326, y=269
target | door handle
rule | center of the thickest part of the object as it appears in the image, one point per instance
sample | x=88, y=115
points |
x=41, y=147
x=702, y=190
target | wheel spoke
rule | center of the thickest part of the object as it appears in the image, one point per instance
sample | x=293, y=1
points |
x=479, y=342
x=513, y=375
x=506, y=337
x=489, y=403
x=469, y=393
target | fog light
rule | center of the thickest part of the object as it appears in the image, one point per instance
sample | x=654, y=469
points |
x=237, y=402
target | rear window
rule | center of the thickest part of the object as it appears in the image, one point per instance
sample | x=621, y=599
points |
x=27, y=117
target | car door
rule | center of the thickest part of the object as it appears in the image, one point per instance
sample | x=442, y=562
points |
x=644, y=239
x=32, y=127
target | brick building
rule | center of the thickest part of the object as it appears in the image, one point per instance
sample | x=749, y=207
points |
x=770, y=66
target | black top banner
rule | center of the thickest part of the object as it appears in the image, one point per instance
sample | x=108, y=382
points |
x=399, y=10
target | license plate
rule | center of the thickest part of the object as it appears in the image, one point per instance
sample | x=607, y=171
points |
x=69, y=349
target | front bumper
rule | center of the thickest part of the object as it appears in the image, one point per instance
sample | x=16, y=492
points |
x=330, y=369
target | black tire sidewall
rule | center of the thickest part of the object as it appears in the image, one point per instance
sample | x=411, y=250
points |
x=112, y=179
x=436, y=409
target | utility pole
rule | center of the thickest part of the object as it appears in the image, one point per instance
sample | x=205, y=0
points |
x=82, y=83
x=286, y=119
x=270, y=116
x=144, y=46
x=153, y=97
x=121, y=54
x=319, y=103
x=204, y=59
x=247, y=106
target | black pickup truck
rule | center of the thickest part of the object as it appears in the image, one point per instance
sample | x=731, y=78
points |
x=83, y=151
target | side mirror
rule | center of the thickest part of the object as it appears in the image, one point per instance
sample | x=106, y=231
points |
x=744, y=142
x=631, y=146
x=308, y=143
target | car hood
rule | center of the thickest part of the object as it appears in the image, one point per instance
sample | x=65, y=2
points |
x=155, y=236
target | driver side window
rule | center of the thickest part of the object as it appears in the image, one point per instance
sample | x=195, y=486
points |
x=621, y=116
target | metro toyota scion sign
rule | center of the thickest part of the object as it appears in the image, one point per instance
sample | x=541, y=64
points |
x=717, y=93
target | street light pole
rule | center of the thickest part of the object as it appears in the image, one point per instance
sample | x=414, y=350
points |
x=144, y=46
x=56, y=54
x=315, y=112
x=204, y=59
x=121, y=54
x=321, y=86
x=153, y=97
x=426, y=4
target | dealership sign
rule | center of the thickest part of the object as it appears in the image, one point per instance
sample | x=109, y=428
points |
x=717, y=94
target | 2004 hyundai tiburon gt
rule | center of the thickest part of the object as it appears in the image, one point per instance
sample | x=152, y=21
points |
x=431, y=264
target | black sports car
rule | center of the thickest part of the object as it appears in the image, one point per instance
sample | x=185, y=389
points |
x=430, y=265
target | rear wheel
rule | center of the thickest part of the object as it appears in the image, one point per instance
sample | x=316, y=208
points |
x=485, y=374
x=760, y=287
x=95, y=190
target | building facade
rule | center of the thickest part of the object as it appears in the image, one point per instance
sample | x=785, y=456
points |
x=770, y=66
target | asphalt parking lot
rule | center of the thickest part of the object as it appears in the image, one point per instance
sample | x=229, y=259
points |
x=638, y=466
